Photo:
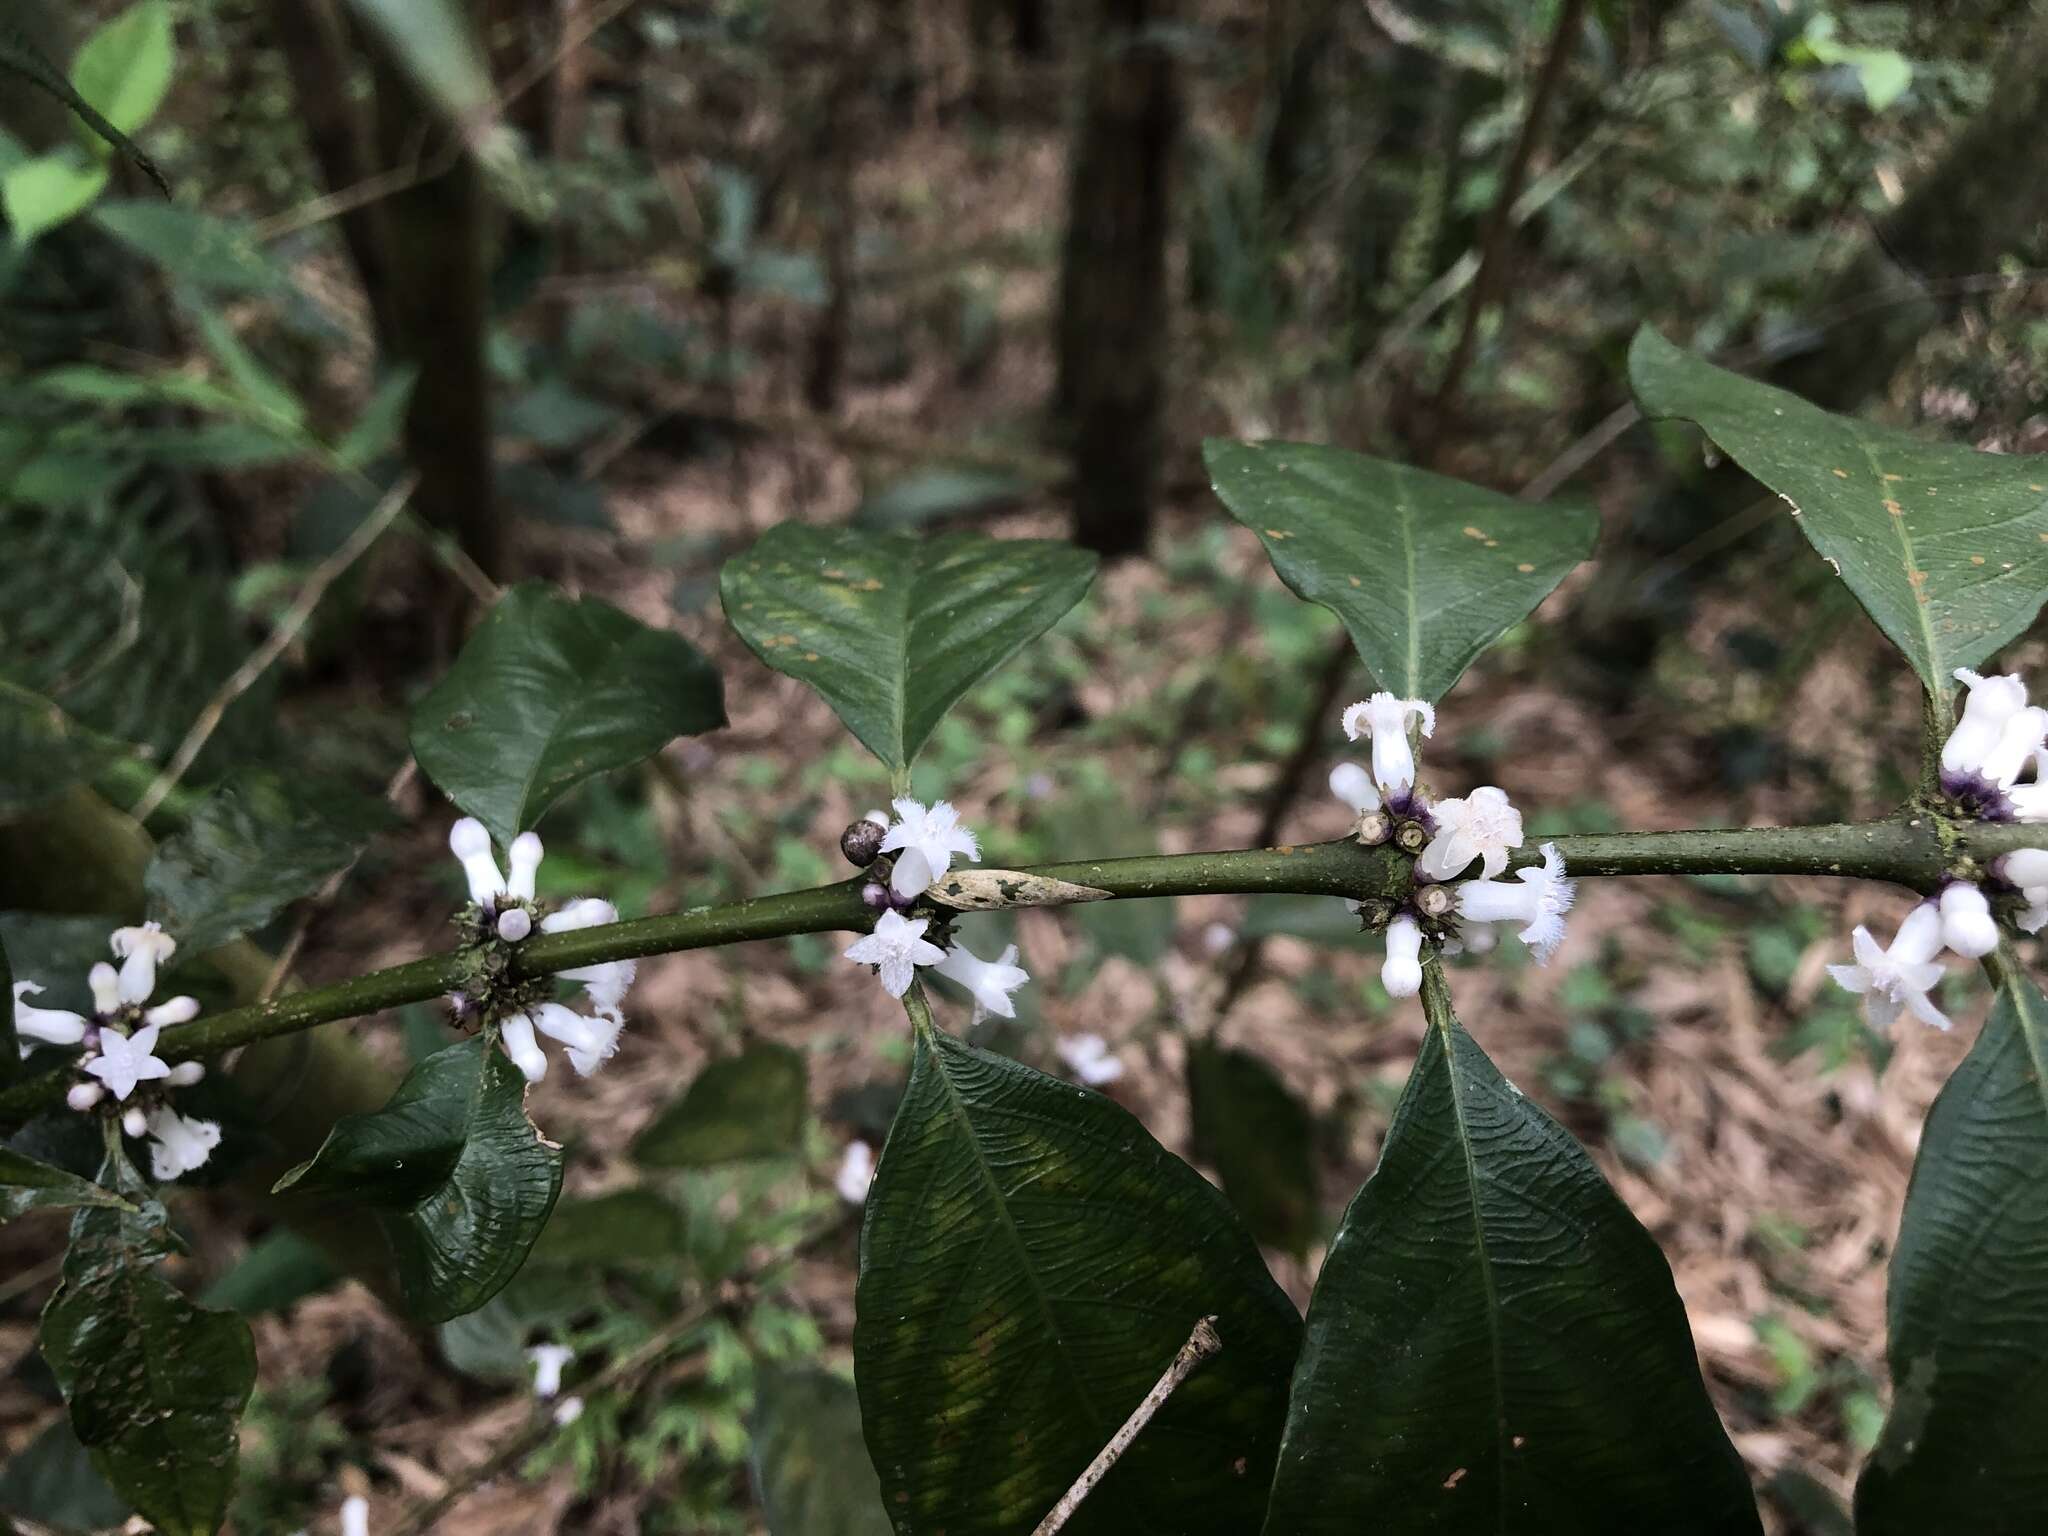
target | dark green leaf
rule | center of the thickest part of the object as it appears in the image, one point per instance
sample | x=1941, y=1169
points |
x=155, y=1384
x=10, y=1044
x=549, y=691
x=53, y=1482
x=27, y=1185
x=1425, y=572
x=893, y=628
x=625, y=1227
x=928, y=495
x=376, y=431
x=43, y=751
x=1495, y=1345
x=254, y=846
x=19, y=56
x=213, y=253
x=1031, y=1261
x=453, y=1176
x=1968, y=1301
x=749, y=1105
x=279, y=1269
x=1259, y=1137
x=1947, y=548
x=811, y=1471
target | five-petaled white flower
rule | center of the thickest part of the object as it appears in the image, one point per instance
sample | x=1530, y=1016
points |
x=924, y=842
x=1089, y=1058
x=1483, y=825
x=123, y=1061
x=1401, y=973
x=856, y=1173
x=896, y=949
x=1990, y=704
x=1899, y=978
x=548, y=1361
x=1385, y=719
x=1537, y=898
x=989, y=981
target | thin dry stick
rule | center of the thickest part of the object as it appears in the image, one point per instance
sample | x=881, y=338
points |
x=1201, y=1344
x=259, y=661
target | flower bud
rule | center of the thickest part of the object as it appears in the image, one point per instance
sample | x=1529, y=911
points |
x=185, y=1074
x=83, y=1097
x=861, y=843
x=875, y=897
x=514, y=924
x=135, y=1121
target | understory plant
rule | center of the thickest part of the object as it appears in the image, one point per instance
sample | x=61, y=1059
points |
x=1060, y=1323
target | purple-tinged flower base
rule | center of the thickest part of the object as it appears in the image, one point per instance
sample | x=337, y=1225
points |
x=1976, y=797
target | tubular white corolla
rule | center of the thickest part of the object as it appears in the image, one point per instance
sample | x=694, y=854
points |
x=1483, y=825
x=1385, y=719
x=1354, y=786
x=471, y=844
x=856, y=1173
x=140, y=950
x=178, y=1143
x=548, y=1361
x=1537, y=898
x=1893, y=980
x=1989, y=705
x=924, y=841
x=1401, y=974
x=590, y=1041
x=52, y=1026
x=989, y=982
x=1967, y=926
x=2021, y=738
x=355, y=1516
x=607, y=982
x=515, y=1033
x=896, y=949
x=523, y=859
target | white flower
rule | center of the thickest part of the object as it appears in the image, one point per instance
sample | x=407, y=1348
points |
x=125, y=1060
x=523, y=859
x=2022, y=737
x=896, y=949
x=84, y=1096
x=140, y=950
x=568, y=1411
x=2023, y=867
x=515, y=1033
x=1090, y=1059
x=990, y=981
x=514, y=924
x=1401, y=975
x=1991, y=702
x=1385, y=719
x=607, y=982
x=548, y=1361
x=105, y=984
x=1537, y=898
x=172, y=1010
x=856, y=1173
x=2030, y=801
x=52, y=1026
x=135, y=1120
x=1890, y=980
x=1354, y=786
x=470, y=843
x=924, y=842
x=1967, y=926
x=2035, y=917
x=1481, y=826
x=590, y=1042
x=355, y=1516
x=179, y=1144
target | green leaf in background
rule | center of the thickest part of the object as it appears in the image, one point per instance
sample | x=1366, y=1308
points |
x=155, y=1384
x=27, y=1185
x=1259, y=1137
x=43, y=751
x=1495, y=1345
x=280, y=1268
x=1946, y=547
x=941, y=491
x=810, y=1466
x=269, y=400
x=549, y=691
x=10, y=1043
x=893, y=628
x=622, y=1228
x=53, y=1482
x=1031, y=1261
x=214, y=253
x=1967, y=1307
x=40, y=194
x=22, y=58
x=745, y=1106
x=124, y=69
x=452, y=1175
x=254, y=846
x=1425, y=572
x=435, y=42
x=376, y=431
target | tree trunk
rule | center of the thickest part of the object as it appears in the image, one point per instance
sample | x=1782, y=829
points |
x=1113, y=309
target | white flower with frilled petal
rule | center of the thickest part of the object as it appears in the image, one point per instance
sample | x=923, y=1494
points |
x=989, y=982
x=140, y=951
x=1483, y=825
x=896, y=949
x=52, y=1026
x=924, y=841
x=178, y=1143
x=548, y=1361
x=1537, y=899
x=1090, y=1059
x=1891, y=981
x=1990, y=704
x=607, y=982
x=1385, y=719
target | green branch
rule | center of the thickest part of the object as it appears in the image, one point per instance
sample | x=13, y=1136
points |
x=1907, y=852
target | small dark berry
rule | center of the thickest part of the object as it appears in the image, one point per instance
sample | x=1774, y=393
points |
x=861, y=843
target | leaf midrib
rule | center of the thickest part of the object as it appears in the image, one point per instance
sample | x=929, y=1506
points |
x=1500, y=1407
x=1921, y=610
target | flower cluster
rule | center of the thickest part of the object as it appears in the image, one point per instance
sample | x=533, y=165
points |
x=504, y=907
x=923, y=841
x=1998, y=739
x=1446, y=838
x=119, y=1070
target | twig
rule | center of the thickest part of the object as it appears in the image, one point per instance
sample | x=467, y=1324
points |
x=259, y=661
x=1201, y=1344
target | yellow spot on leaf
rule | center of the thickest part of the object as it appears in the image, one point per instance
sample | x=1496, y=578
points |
x=870, y=585
x=1898, y=511
x=1278, y=533
x=1474, y=533
x=1976, y=559
x=1357, y=583
x=1525, y=567
x=1839, y=474
x=1895, y=477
